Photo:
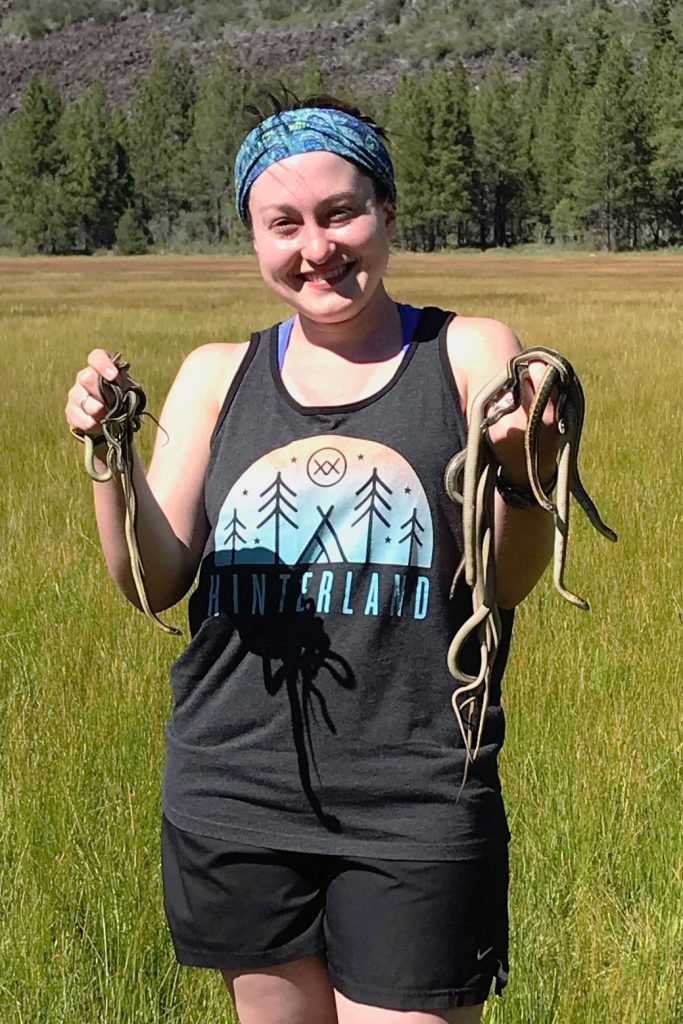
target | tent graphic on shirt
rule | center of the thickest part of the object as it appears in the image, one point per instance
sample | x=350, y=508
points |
x=324, y=544
x=326, y=499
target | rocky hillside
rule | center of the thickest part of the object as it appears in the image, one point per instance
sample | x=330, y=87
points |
x=119, y=53
x=371, y=45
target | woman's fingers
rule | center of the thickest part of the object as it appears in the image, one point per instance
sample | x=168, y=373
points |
x=102, y=363
x=85, y=408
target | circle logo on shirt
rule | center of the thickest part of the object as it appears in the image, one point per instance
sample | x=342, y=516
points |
x=326, y=467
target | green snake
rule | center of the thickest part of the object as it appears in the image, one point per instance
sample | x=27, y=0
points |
x=470, y=479
x=125, y=408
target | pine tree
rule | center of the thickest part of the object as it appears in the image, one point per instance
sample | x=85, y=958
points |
x=660, y=23
x=495, y=151
x=31, y=157
x=159, y=128
x=525, y=207
x=124, y=177
x=130, y=238
x=554, y=144
x=666, y=111
x=594, y=36
x=217, y=133
x=451, y=150
x=611, y=182
x=411, y=134
x=89, y=179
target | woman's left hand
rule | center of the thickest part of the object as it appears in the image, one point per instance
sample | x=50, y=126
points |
x=506, y=437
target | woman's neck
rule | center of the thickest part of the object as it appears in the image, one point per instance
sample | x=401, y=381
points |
x=372, y=335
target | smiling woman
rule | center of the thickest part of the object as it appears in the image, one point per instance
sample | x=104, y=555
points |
x=321, y=237
x=319, y=845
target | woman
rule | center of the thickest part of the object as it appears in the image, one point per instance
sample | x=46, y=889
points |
x=316, y=845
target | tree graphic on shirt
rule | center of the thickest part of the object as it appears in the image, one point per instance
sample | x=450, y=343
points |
x=280, y=503
x=372, y=501
x=233, y=534
x=412, y=536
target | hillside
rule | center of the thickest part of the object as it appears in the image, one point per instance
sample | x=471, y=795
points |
x=370, y=44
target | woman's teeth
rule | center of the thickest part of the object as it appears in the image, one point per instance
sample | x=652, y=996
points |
x=331, y=275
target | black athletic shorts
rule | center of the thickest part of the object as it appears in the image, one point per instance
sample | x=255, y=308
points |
x=400, y=934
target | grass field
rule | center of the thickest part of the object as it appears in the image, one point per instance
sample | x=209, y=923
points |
x=593, y=764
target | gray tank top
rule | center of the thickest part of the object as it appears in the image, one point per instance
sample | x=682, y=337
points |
x=312, y=706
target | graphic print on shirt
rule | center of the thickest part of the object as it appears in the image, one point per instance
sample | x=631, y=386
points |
x=328, y=501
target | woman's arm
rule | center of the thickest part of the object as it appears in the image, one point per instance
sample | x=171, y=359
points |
x=478, y=349
x=171, y=523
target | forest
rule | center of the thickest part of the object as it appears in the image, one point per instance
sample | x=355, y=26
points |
x=584, y=148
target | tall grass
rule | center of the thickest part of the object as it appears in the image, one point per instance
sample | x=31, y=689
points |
x=593, y=762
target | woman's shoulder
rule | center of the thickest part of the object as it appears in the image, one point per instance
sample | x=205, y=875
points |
x=478, y=348
x=211, y=368
x=481, y=336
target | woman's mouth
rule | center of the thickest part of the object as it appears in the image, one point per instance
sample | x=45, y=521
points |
x=327, y=278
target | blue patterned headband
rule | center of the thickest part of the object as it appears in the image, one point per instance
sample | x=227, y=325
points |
x=308, y=130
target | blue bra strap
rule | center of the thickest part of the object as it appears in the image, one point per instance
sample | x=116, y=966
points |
x=409, y=318
x=284, y=333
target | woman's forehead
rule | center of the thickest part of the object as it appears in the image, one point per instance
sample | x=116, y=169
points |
x=306, y=178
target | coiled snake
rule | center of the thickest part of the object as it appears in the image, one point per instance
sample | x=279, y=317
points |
x=125, y=409
x=470, y=480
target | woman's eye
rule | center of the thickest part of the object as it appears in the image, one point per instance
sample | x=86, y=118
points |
x=283, y=226
x=340, y=213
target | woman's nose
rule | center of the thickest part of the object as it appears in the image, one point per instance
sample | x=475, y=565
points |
x=316, y=244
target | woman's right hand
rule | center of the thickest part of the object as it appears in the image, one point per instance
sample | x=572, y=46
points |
x=84, y=408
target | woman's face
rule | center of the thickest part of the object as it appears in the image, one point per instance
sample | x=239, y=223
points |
x=320, y=235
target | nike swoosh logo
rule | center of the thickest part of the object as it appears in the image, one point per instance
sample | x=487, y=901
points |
x=480, y=955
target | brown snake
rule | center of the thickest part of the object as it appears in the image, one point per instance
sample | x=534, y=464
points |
x=125, y=408
x=470, y=481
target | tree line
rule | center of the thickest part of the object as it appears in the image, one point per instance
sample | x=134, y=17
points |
x=588, y=153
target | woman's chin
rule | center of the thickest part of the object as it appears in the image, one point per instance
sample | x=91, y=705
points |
x=330, y=305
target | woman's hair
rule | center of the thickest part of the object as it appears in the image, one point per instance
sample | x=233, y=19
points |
x=322, y=101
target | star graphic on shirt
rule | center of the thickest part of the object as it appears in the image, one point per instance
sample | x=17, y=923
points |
x=360, y=458
x=294, y=458
x=388, y=540
x=245, y=493
x=407, y=490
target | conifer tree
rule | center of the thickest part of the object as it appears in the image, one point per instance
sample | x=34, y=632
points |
x=660, y=23
x=611, y=182
x=667, y=142
x=124, y=177
x=451, y=152
x=159, y=128
x=594, y=36
x=91, y=190
x=526, y=204
x=554, y=143
x=217, y=132
x=31, y=158
x=411, y=133
x=495, y=150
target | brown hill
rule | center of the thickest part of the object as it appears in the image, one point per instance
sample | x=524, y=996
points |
x=370, y=45
x=119, y=53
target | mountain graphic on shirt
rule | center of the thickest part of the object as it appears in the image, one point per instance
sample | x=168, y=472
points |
x=326, y=499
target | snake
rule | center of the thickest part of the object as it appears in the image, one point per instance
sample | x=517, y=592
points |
x=469, y=481
x=125, y=409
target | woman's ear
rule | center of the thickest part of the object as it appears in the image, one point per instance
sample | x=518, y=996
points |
x=390, y=219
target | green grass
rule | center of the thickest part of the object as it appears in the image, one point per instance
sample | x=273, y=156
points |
x=593, y=764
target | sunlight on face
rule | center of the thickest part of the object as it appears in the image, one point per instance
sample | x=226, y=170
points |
x=321, y=237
